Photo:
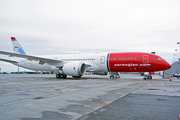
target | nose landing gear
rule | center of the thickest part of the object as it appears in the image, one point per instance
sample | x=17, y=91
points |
x=147, y=77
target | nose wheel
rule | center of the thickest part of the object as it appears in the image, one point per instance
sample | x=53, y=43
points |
x=147, y=77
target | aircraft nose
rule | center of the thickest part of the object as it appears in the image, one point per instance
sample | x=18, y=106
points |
x=168, y=66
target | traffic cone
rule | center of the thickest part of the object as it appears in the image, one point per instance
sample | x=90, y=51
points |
x=170, y=79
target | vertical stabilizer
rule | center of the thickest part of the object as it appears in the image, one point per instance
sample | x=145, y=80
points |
x=16, y=46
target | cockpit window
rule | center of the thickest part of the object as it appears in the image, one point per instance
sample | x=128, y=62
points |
x=159, y=58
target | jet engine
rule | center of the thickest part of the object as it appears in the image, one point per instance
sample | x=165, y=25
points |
x=74, y=68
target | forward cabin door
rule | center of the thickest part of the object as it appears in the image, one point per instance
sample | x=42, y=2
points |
x=145, y=58
x=102, y=66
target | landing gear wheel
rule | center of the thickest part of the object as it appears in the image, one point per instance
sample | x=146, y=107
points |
x=111, y=76
x=57, y=76
x=64, y=76
x=61, y=76
x=114, y=75
x=150, y=77
x=147, y=77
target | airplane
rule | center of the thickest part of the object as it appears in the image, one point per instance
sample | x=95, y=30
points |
x=76, y=65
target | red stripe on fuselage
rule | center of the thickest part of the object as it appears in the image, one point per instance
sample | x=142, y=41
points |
x=131, y=62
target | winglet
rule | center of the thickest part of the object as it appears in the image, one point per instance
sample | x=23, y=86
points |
x=16, y=46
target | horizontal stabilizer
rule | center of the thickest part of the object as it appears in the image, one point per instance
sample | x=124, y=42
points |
x=10, y=61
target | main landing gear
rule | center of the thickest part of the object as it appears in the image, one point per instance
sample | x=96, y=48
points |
x=147, y=77
x=61, y=75
x=114, y=75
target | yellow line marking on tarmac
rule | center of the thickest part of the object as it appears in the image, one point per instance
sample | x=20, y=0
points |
x=99, y=101
x=16, y=102
x=138, y=81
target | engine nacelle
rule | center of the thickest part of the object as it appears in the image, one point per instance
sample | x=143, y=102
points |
x=74, y=68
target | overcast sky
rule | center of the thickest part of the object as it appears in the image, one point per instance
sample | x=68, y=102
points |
x=79, y=26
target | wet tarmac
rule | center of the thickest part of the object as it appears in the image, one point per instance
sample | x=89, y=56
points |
x=43, y=97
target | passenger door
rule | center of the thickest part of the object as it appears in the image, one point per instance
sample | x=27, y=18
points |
x=145, y=58
x=102, y=59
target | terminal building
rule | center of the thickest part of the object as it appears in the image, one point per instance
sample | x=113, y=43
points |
x=175, y=69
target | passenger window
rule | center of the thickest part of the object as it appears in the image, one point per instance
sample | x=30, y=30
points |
x=159, y=58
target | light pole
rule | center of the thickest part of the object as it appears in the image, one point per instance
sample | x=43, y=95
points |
x=177, y=54
x=173, y=59
x=179, y=49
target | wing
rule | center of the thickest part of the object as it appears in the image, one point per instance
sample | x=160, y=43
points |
x=10, y=61
x=41, y=60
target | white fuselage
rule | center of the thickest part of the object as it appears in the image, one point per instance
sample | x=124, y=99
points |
x=97, y=62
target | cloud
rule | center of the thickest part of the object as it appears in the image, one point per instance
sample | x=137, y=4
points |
x=58, y=26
